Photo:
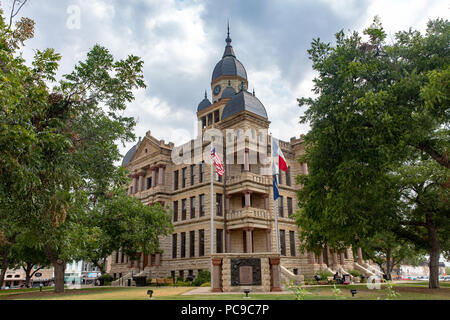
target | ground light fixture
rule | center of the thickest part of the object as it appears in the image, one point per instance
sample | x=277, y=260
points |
x=150, y=293
x=246, y=291
x=354, y=292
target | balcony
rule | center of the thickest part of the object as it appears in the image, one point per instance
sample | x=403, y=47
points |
x=151, y=192
x=248, y=217
x=248, y=180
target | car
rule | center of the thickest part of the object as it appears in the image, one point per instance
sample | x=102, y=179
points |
x=447, y=278
x=4, y=288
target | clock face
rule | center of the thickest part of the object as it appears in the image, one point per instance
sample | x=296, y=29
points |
x=217, y=90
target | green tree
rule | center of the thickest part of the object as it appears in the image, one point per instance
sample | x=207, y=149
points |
x=381, y=110
x=121, y=222
x=388, y=252
x=58, y=142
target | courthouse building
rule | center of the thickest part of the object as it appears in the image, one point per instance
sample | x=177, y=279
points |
x=244, y=222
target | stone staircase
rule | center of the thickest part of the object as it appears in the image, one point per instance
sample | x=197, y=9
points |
x=287, y=276
x=123, y=282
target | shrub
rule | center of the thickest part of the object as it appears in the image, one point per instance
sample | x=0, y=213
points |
x=206, y=284
x=324, y=274
x=105, y=279
x=202, y=277
x=355, y=273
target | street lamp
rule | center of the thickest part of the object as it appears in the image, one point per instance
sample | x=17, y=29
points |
x=150, y=293
x=246, y=291
x=354, y=292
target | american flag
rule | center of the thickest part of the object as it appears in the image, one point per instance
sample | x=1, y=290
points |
x=217, y=162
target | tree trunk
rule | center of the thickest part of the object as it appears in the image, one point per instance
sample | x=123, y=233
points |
x=59, y=269
x=434, y=258
x=5, y=266
x=388, y=265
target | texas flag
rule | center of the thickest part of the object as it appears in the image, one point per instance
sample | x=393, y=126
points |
x=278, y=162
x=278, y=159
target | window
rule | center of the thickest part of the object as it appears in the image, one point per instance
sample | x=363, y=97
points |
x=201, y=243
x=117, y=256
x=288, y=177
x=280, y=178
x=219, y=211
x=292, y=242
x=244, y=240
x=122, y=258
x=280, y=207
x=243, y=201
x=175, y=180
x=181, y=272
x=219, y=240
x=175, y=211
x=174, y=246
x=202, y=205
x=184, y=177
x=192, y=207
x=204, y=122
x=295, y=271
x=149, y=183
x=183, y=209
x=216, y=116
x=242, y=167
x=283, y=242
x=210, y=119
x=202, y=172
x=183, y=245
x=289, y=206
x=218, y=178
x=192, y=243
x=192, y=174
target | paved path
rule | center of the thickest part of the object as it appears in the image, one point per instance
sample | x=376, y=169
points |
x=207, y=290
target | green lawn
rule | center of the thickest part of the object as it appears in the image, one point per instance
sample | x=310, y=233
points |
x=407, y=291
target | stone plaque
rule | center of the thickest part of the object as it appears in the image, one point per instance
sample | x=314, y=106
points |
x=245, y=275
x=247, y=270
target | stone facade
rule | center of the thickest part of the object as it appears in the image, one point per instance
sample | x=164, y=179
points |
x=244, y=207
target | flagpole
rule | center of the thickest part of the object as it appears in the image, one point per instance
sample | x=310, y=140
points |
x=212, y=224
x=275, y=213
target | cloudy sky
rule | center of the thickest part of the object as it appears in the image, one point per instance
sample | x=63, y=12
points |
x=181, y=41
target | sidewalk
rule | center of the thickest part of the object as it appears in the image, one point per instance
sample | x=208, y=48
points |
x=207, y=291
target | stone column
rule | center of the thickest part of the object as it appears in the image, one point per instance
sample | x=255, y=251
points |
x=157, y=259
x=161, y=175
x=227, y=204
x=360, y=256
x=135, y=177
x=248, y=201
x=141, y=175
x=228, y=241
x=335, y=258
x=269, y=240
x=275, y=266
x=246, y=160
x=321, y=258
x=149, y=261
x=305, y=168
x=266, y=202
x=312, y=257
x=153, y=177
x=217, y=268
x=249, y=238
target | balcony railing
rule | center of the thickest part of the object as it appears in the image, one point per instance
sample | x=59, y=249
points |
x=248, y=176
x=255, y=213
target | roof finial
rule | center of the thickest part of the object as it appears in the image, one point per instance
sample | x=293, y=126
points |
x=228, y=39
x=253, y=91
x=206, y=95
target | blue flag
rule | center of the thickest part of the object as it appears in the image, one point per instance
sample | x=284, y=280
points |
x=276, y=193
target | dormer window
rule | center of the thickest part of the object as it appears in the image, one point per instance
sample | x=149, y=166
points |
x=204, y=122
x=210, y=119
x=216, y=116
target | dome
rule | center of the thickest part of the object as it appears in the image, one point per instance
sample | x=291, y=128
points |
x=204, y=104
x=244, y=100
x=229, y=65
x=229, y=92
x=129, y=155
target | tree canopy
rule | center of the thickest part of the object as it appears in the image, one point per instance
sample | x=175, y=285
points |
x=379, y=140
